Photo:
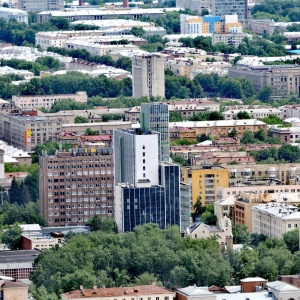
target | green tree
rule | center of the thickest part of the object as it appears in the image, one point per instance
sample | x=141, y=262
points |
x=260, y=135
x=124, y=63
x=240, y=234
x=137, y=31
x=265, y=94
x=80, y=119
x=147, y=279
x=198, y=209
x=267, y=268
x=103, y=224
x=243, y=115
x=175, y=116
x=247, y=138
x=291, y=239
x=288, y=153
x=233, y=133
x=12, y=237
x=272, y=119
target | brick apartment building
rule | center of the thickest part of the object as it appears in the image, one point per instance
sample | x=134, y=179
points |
x=76, y=185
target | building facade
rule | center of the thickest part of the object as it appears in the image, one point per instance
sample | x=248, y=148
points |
x=155, y=117
x=204, y=181
x=232, y=39
x=148, y=76
x=283, y=79
x=221, y=8
x=76, y=185
x=41, y=5
x=46, y=101
x=12, y=13
x=255, y=113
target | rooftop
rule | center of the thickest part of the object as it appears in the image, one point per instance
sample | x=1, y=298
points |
x=18, y=256
x=116, y=292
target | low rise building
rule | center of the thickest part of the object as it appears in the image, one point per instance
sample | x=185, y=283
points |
x=11, y=71
x=255, y=113
x=13, y=289
x=194, y=5
x=46, y=101
x=13, y=13
x=151, y=292
x=95, y=48
x=216, y=129
x=287, y=134
x=283, y=79
x=18, y=264
x=232, y=39
x=274, y=220
x=290, y=111
x=222, y=232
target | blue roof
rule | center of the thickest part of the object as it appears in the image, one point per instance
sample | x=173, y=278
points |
x=294, y=51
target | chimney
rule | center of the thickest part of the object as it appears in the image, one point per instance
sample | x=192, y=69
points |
x=81, y=287
x=80, y=2
x=125, y=3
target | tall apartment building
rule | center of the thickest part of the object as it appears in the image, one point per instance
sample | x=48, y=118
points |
x=194, y=5
x=148, y=76
x=221, y=8
x=46, y=101
x=204, y=181
x=144, y=190
x=76, y=185
x=283, y=79
x=41, y=5
x=155, y=117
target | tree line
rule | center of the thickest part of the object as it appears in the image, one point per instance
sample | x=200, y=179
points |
x=148, y=254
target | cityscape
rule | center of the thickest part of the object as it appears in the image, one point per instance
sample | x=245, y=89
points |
x=149, y=150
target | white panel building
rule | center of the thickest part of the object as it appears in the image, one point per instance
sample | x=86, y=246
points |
x=12, y=13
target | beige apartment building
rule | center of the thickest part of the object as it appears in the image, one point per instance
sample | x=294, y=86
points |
x=95, y=48
x=76, y=185
x=274, y=220
x=46, y=101
x=231, y=39
x=283, y=79
x=217, y=129
x=25, y=132
x=255, y=113
x=281, y=173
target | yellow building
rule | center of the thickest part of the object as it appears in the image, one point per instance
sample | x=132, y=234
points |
x=204, y=181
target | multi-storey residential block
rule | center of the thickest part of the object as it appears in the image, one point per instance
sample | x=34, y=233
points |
x=274, y=220
x=76, y=185
x=12, y=13
x=194, y=5
x=155, y=117
x=255, y=113
x=148, y=76
x=216, y=129
x=231, y=39
x=283, y=79
x=46, y=101
x=290, y=111
x=25, y=132
x=221, y=8
x=40, y=5
x=204, y=181
x=287, y=134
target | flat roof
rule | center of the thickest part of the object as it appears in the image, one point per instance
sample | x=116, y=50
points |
x=18, y=256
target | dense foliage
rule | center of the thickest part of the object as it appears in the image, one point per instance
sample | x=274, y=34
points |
x=259, y=137
x=106, y=258
x=278, y=10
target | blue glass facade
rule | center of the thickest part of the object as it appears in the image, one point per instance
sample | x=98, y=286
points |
x=211, y=21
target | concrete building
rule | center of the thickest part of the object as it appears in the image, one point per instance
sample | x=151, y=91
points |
x=12, y=13
x=95, y=48
x=255, y=113
x=151, y=292
x=25, y=132
x=41, y=5
x=148, y=76
x=283, y=79
x=102, y=14
x=290, y=111
x=17, y=264
x=13, y=289
x=287, y=134
x=221, y=8
x=76, y=185
x=204, y=181
x=46, y=101
x=194, y=292
x=194, y=5
x=274, y=220
x=222, y=232
x=155, y=117
x=231, y=39
x=145, y=191
x=216, y=129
